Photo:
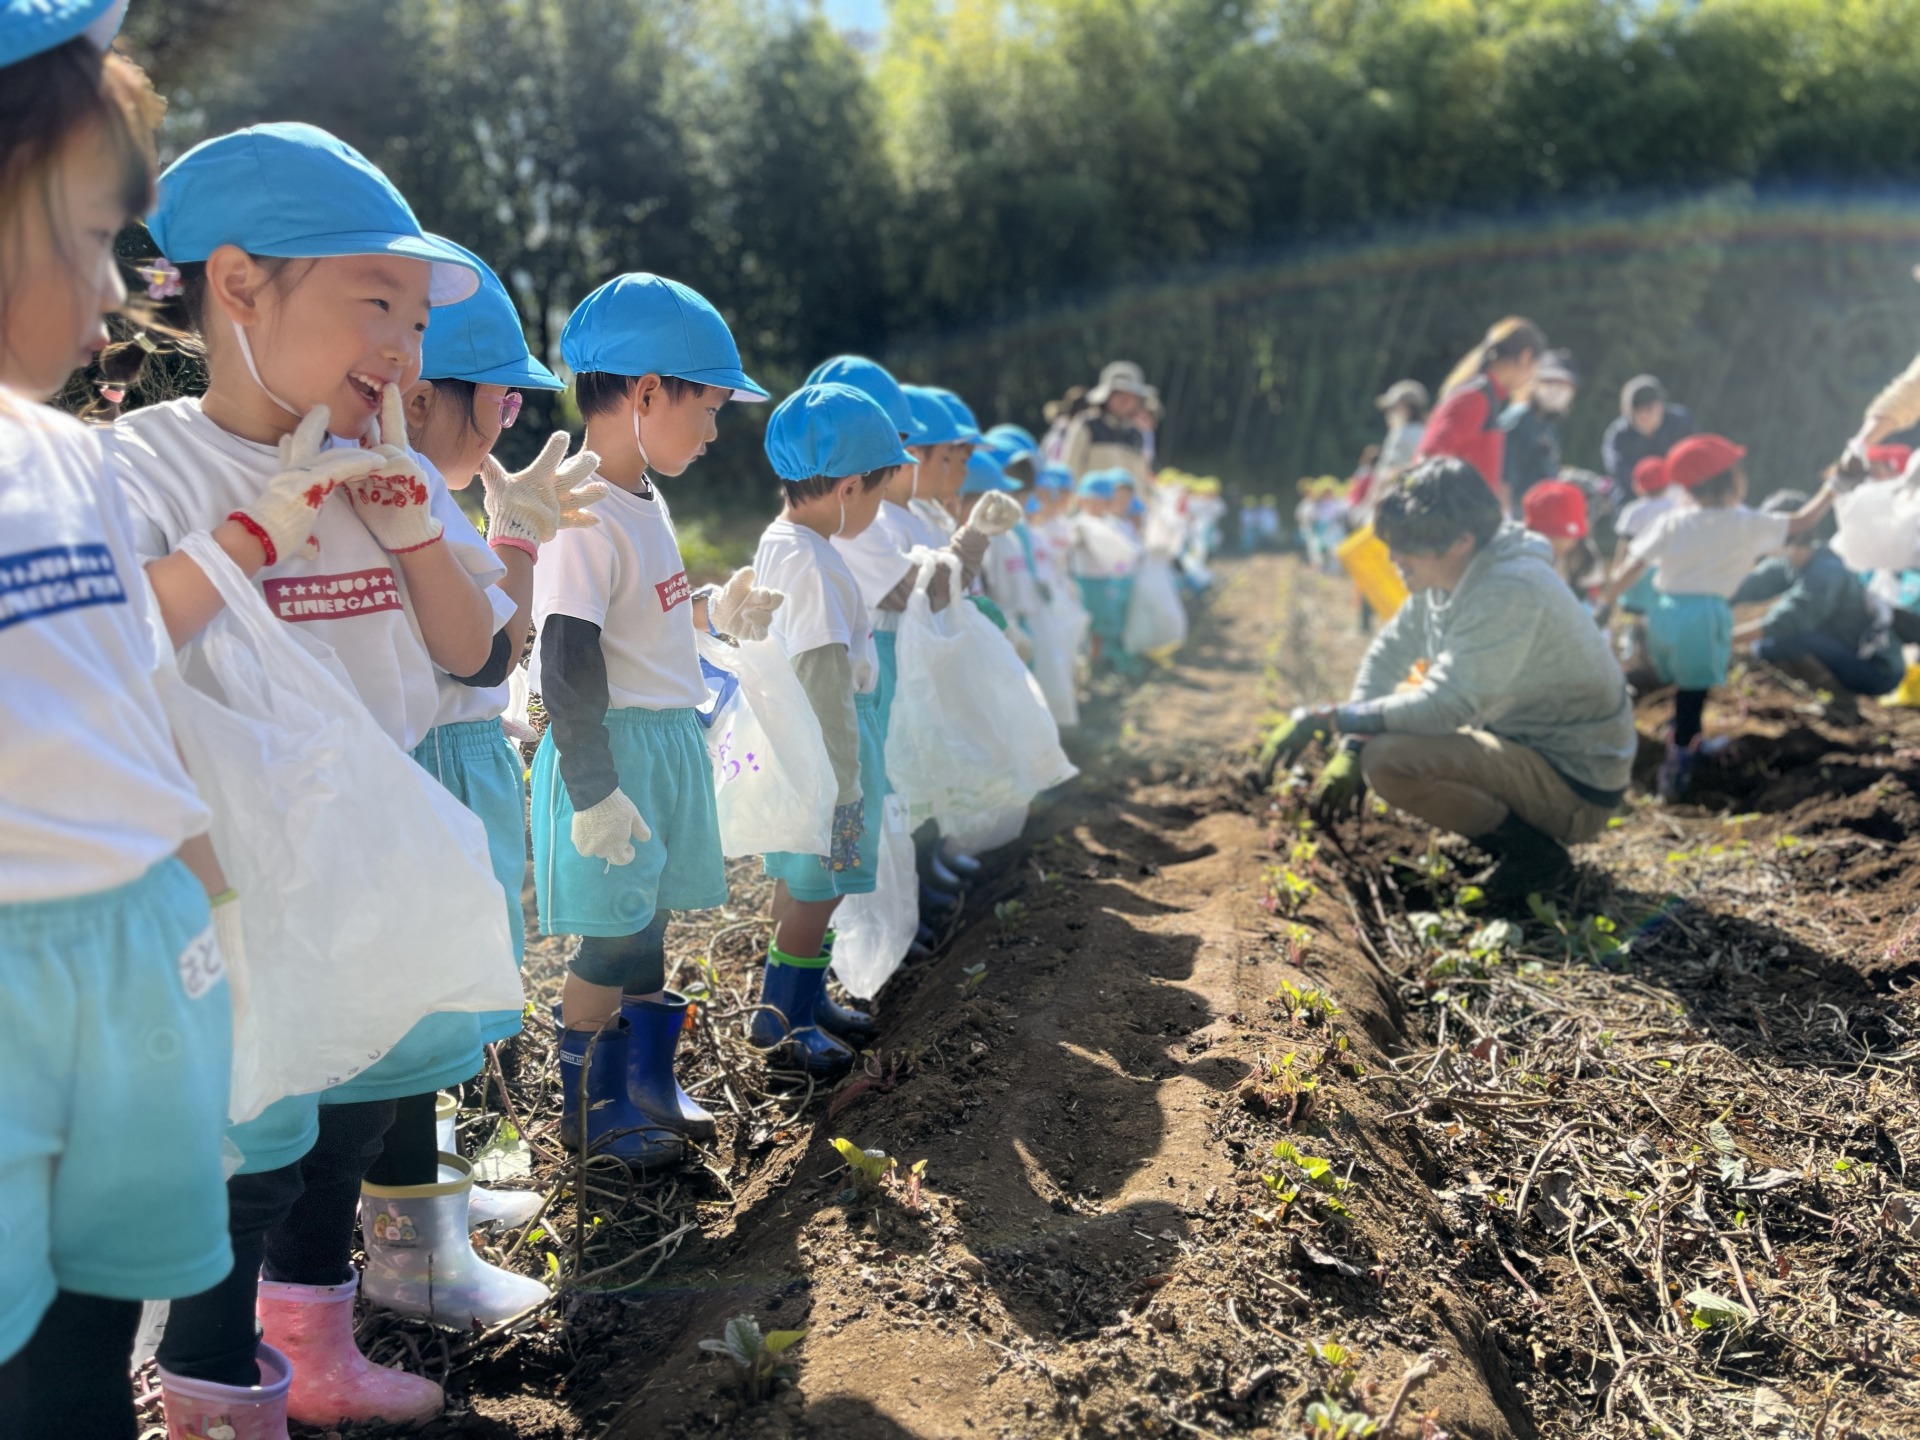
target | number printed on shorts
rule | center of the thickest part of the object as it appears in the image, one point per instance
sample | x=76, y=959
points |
x=202, y=966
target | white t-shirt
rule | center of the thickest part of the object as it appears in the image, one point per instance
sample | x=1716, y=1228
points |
x=626, y=576
x=181, y=473
x=1707, y=550
x=92, y=792
x=877, y=556
x=1637, y=516
x=462, y=703
x=1009, y=580
x=930, y=524
x=823, y=605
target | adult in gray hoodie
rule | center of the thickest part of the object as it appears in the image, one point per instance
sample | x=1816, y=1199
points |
x=1490, y=705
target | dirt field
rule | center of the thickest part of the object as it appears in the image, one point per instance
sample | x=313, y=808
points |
x=1635, y=1167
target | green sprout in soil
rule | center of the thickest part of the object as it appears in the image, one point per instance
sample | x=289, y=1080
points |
x=1305, y=1005
x=1287, y=891
x=875, y=1171
x=972, y=976
x=1009, y=913
x=1299, y=1168
x=757, y=1354
x=1595, y=939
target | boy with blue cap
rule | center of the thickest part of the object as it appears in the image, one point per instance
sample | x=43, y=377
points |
x=310, y=282
x=624, y=824
x=833, y=448
x=115, y=1024
x=473, y=358
x=942, y=456
x=934, y=502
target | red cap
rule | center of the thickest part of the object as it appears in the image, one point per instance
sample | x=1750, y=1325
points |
x=1650, y=475
x=1890, y=457
x=1557, y=510
x=1701, y=457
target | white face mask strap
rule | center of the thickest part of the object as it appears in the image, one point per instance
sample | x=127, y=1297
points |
x=843, y=516
x=246, y=354
x=645, y=463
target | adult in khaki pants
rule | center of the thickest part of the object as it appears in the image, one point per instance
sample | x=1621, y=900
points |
x=1490, y=704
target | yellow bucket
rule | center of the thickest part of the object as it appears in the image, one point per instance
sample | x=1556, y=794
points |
x=1365, y=557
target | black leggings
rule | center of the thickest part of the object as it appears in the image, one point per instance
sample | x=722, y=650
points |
x=293, y=1224
x=637, y=963
x=410, y=1155
x=1689, y=716
x=75, y=1375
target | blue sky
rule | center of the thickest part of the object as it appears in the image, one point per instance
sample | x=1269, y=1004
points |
x=857, y=14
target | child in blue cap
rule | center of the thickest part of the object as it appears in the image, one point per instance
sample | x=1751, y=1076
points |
x=115, y=1026
x=473, y=357
x=1104, y=555
x=310, y=283
x=625, y=829
x=938, y=497
x=833, y=448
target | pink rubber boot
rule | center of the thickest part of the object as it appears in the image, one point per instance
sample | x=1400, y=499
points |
x=333, y=1383
x=202, y=1410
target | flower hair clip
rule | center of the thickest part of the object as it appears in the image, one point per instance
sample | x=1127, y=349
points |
x=162, y=277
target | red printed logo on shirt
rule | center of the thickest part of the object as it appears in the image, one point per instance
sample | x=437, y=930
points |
x=673, y=592
x=334, y=597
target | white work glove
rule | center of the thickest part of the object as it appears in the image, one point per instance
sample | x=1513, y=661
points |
x=607, y=831
x=393, y=500
x=744, y=610
x=994, y=513
x=282, y=518
x=550, y=495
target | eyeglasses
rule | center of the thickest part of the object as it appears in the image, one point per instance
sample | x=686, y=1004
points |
x=510, y=409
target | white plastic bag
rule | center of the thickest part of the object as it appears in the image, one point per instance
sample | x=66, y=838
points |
x=1110, y=552
x=773, y=780
x=1156, y=620
x=1879, y=526
x=1060, y=629
x=971, y=735
x=368, y=899
x=872, y=933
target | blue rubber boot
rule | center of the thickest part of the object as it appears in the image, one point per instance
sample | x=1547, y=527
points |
x=935, y=902
x=855, y=1027
x=943, y=877
x=653, y=1032
x=964, y=865
x=792, y=988
x=596, y=1083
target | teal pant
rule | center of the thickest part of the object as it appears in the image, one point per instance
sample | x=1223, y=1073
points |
x=448, y=1047
x=1690, y=640
x=661, y=759
x=1106, y=604
x=116, y=1044
x=807, y=879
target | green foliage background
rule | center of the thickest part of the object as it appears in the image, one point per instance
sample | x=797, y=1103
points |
x=1276, y=205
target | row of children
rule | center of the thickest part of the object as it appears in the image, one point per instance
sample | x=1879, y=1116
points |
x=356, y=366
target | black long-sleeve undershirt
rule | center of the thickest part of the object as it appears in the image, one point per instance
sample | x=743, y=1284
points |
x=499, y=663
x=573, y=688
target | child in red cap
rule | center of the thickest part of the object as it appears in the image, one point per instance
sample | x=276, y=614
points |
x=1699, y=554
x=1557, y=511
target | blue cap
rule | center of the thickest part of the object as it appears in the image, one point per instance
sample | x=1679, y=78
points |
x=872, y=379
x=294, y=191
x=984, y=474
x=33, y=27
x=1054, y=476
x=640, y=324
x=938, y=424
x=962, y=416
x=480, y=339
x=1098, y=483
x=832, y=430
x=1013, y=437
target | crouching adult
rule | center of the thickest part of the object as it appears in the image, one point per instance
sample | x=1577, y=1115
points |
x=1824, y=628
x=1490, y=704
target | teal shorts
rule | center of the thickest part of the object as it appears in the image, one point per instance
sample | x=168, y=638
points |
x=473, y=760
x=1106, y=604
x=116, y=1044
x=887, y=667
x=279, y=1134
x=1640, y=596
x=807, y=879
x=661, y=759
x=1690, y=640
